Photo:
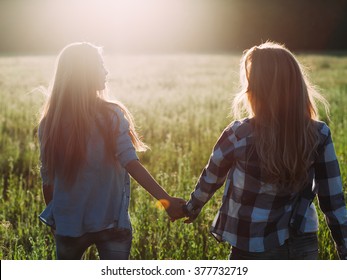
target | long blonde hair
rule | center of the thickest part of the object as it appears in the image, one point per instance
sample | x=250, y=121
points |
x=282, y=102
x=75, y=98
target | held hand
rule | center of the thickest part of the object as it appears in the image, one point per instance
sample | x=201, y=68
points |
x=191, y=216
x=189, y=220
x=174, y=208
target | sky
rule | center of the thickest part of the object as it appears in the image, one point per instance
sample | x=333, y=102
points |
x=46, y=26
x=125, y=25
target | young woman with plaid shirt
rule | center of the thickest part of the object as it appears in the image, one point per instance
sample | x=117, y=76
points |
x=274, y=163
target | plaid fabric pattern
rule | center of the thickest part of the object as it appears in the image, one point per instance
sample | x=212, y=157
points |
x=255, y=216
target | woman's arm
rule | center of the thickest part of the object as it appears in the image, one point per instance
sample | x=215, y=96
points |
x=172, y=205
x=213, y=175
x=330, y=194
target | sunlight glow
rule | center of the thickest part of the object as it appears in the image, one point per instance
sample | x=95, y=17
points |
x=162, y=204
x=125, y=24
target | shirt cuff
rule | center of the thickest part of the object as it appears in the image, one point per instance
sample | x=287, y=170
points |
x=127, y=156
x=192, y=210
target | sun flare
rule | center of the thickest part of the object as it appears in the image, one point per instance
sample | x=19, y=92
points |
x=119, y=24
x=162, y=204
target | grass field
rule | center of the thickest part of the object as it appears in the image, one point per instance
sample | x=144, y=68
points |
x=181, y=103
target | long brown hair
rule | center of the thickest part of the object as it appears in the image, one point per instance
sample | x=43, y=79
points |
x=281, y=101
x=75, y=98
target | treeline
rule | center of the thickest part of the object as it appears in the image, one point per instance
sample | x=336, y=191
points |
x=300, y=24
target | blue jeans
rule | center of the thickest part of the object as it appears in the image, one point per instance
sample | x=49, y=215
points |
x=297, y=247
x=112, y=244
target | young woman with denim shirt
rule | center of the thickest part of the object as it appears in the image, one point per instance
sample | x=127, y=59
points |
x=88, y=149
x=274, y=163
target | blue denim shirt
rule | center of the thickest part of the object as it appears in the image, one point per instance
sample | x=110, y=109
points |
x=99, y=198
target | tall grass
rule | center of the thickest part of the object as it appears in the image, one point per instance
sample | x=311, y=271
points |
x=181, y=103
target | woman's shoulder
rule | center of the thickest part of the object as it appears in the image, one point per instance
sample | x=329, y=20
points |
x=114, y=108
x=241, y=128
x=113, y=111
x=322, y=127
x=117, y=114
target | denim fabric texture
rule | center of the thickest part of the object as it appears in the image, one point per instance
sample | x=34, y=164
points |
x=112, y=244
x=99, y=198
x=296, y=247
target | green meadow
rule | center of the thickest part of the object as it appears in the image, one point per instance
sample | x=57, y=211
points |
x=180, y=103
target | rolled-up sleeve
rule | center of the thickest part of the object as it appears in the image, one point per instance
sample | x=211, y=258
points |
x=125, y=150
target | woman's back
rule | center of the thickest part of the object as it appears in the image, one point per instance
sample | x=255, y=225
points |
x=256, y=213
x=100, y=191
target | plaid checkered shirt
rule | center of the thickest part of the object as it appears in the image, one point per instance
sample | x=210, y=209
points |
x=255, y=216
